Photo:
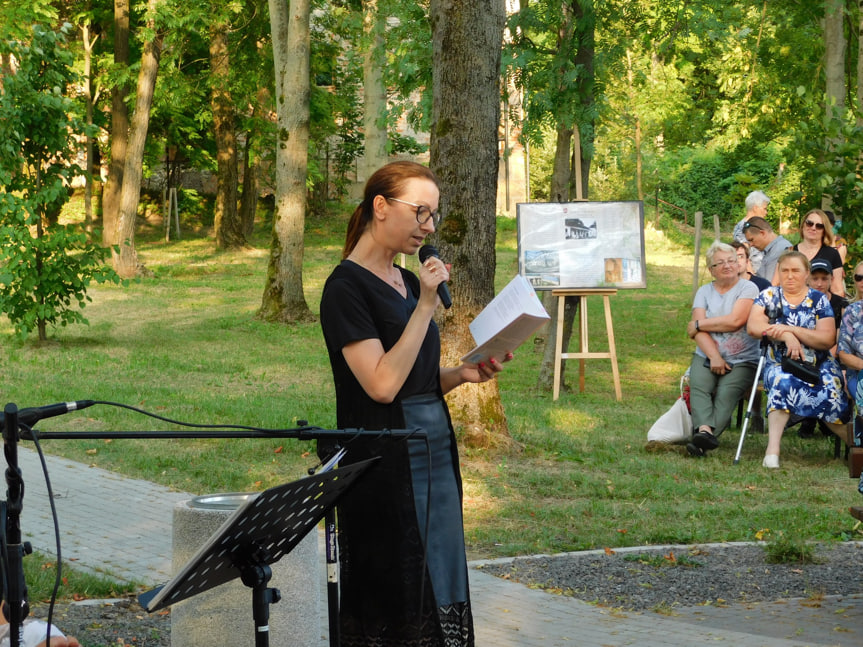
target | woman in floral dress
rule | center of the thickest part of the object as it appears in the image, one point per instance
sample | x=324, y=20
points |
x=799, y=323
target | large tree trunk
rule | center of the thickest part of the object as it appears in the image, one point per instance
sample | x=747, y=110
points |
x=466, y=40
x=283, y=298
x=374, y=91
x=119, y=129
x=126, y=257
x=229, y=229
x=580, y=26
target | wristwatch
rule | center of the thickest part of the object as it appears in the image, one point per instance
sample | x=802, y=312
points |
x=696, y=326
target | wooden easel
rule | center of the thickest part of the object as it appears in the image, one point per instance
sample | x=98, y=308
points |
x=583, y=351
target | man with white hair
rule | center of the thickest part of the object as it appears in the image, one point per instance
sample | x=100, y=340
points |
x=756, y=205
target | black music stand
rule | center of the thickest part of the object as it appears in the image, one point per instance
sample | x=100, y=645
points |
x=261, y=532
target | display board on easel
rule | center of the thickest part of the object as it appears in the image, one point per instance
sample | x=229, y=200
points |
x=582, y=245
x=582, y=249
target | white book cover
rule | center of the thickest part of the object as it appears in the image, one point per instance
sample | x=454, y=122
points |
x=506, y=322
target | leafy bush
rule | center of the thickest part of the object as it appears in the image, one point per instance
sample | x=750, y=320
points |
x=45, y=267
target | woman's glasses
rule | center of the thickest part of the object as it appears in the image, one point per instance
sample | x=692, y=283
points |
x=730, y=261
x=858, y=277
x=818, y=225
x=423, y=212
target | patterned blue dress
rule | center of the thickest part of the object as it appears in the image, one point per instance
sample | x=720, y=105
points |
x=851, y=342
x=826, y=401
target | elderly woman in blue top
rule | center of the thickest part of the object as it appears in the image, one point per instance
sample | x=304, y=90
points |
x=724, y=363
x=799, y=322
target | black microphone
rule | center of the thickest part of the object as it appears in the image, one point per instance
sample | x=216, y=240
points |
x=427, y=252
x=33, y=415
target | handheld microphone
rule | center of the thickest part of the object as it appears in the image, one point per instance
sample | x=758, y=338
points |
x=32, y=415
x=426, y=252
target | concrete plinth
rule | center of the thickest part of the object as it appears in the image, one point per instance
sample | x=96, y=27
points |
x=223, y=615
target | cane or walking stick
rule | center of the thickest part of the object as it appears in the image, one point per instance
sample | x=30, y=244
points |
x=765, y=344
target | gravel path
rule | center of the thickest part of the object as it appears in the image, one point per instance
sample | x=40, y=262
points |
x=631, y=579
x=658, y=580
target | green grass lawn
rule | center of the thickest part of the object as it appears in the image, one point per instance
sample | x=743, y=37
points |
x=185, y=344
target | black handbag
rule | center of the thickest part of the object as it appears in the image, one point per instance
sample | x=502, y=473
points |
x=806, y=371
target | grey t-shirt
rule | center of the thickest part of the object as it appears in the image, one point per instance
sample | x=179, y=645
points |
x=735, y=346
x=771, y=256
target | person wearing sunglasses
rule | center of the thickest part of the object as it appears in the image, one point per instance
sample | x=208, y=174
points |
x=760, y=235
x=723, y=364
x=816, y=241
x=850, y=347
x=403, y=566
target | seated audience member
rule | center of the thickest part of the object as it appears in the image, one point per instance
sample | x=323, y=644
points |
x=760, y=235
x=851, y=346
x=34, y=633
x=723, y=366
x=820, y=278
x=756, y=205
x=816, y=241
x=745, y=266
x=799, y=322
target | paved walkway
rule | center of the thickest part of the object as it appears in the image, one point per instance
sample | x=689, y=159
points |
x=123, y=527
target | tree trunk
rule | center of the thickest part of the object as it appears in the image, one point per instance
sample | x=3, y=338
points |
x=119, y=129
x=466, y=41
x=283, y=298
x=582, y=19
x=229, y=230
x=126, y=258
x=249, y=198
x=632, y=94
x=89, y=100
x=374, y=91
x=834, y=53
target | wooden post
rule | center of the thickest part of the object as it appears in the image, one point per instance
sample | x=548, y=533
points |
x=698, y=222
x=717, y=234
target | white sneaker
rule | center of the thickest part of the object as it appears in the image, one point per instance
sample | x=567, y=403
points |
x=771, y=461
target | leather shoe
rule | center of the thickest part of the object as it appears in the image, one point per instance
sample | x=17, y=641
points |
x=705, y=441
x=694, y=451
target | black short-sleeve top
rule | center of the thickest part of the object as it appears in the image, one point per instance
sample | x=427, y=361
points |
x=357, y=305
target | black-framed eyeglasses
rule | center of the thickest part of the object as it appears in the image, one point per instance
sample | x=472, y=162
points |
x=858, y=277
x=423, y=212
x=749, y=225
x=818, y=225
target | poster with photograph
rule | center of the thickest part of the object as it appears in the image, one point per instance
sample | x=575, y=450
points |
x=581, y=245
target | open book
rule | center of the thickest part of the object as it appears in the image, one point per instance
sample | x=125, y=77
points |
x=505, y=323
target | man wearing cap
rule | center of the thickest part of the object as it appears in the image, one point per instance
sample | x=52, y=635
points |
x=760, y=235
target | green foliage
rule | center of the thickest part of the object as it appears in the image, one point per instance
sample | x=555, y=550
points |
x=45, y=267
x=785, y=550
x=832, y=174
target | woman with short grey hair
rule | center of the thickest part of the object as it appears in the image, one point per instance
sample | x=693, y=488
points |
x=723, y=365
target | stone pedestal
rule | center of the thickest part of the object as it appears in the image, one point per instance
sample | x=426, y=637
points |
x=223, y=615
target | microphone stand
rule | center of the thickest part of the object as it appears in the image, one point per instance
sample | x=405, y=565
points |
x=15, y=588
x=12, y=550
